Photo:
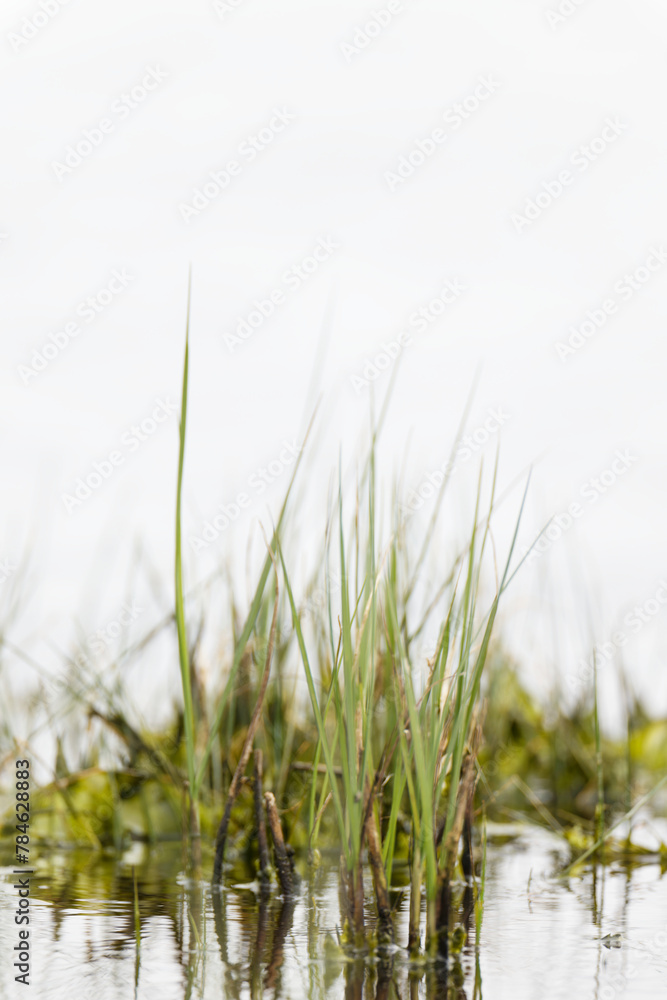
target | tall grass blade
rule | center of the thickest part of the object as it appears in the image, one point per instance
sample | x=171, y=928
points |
x=184, y=660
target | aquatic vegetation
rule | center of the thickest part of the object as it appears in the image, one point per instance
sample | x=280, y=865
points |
x=377, y=753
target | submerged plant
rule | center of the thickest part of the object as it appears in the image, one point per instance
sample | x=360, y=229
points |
x=381, y=735
x=439, y=747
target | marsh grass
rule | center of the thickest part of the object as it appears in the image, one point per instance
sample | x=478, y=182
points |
x=392, y=743
x=439, y=748
x=387, y=734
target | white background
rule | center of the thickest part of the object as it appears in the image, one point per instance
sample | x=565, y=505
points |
x=326, y=175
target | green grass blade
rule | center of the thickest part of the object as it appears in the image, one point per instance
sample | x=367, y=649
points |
x=188, y=707
x=248, y=626
x=326, y=749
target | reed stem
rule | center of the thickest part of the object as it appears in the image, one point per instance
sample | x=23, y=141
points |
x=260, y=820
x=283, y=862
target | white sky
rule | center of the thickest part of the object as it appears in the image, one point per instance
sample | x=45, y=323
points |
x=324, y=177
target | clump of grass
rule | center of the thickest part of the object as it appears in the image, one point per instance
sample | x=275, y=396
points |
x=396, y=739
x=349, y=739
x=424, y=749
x=439, y=748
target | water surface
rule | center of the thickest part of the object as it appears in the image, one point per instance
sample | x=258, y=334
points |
x=601, y=934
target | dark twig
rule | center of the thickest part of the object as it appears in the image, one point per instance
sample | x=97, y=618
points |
x=385, y=925
x=247, y=747
x=260, y=820
x=283, y=863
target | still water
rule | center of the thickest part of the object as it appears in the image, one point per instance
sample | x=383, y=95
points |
x=601, y=934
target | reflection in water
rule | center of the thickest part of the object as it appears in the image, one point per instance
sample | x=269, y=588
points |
x=379, y=979
x=257, y=957
x=283, y=926
x=263, y=969
x=185, y=940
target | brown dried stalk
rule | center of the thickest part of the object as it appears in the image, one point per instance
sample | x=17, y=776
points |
x=260, y=821
x=466, y=792
x=247, y=747
x=283, y=862
x=385, y=925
